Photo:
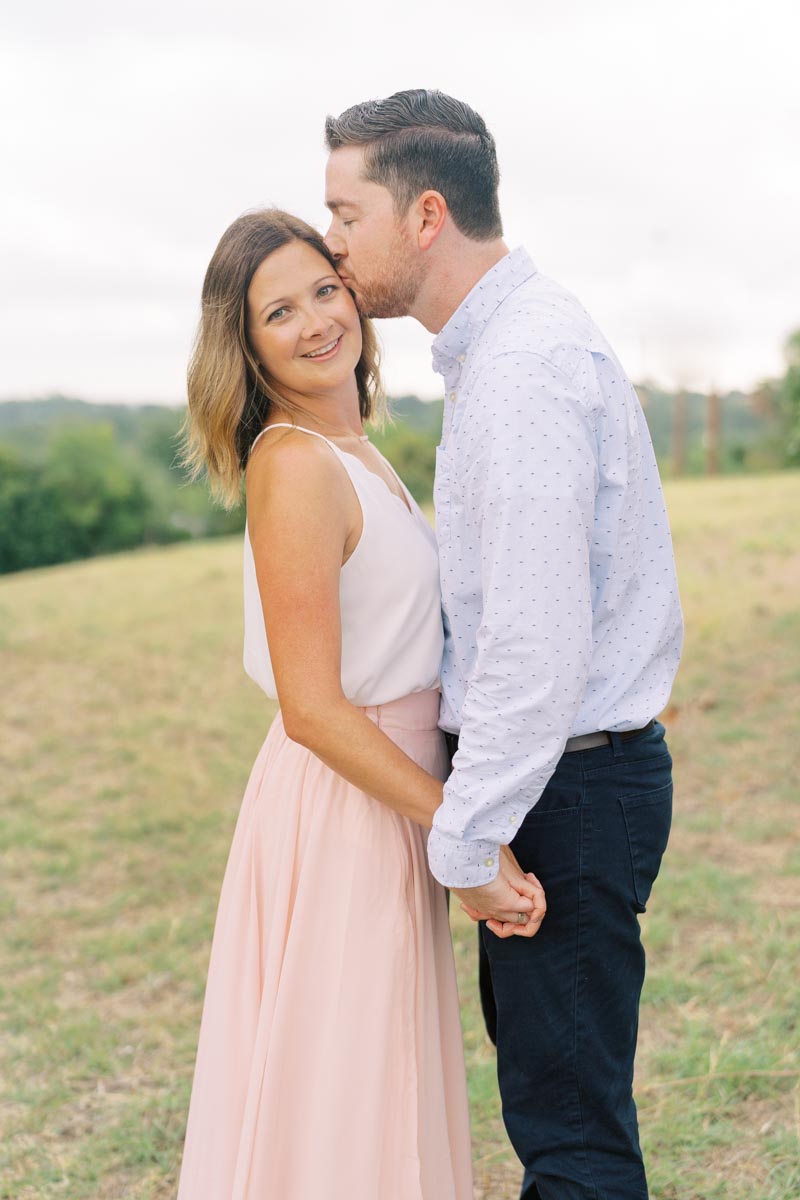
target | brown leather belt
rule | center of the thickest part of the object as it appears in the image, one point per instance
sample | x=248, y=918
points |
x=588, y=741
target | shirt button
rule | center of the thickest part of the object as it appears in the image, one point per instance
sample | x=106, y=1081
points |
x=452, y=395
x=489, y=862
x=462, y=358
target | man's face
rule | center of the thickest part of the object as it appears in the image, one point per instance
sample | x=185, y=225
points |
x=376, y=254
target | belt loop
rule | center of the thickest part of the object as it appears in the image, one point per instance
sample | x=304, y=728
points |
x=616, y=744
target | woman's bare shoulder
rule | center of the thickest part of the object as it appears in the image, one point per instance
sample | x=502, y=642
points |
x=296, y=477
x=290, y=455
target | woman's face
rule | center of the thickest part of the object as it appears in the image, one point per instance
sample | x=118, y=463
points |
x=303, y=324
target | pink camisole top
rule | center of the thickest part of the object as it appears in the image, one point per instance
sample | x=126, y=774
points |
x=392, y=635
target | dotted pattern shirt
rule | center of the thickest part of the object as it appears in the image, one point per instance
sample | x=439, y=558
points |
x=559, y=592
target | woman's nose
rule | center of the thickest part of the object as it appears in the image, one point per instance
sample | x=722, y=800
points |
x=315, y=324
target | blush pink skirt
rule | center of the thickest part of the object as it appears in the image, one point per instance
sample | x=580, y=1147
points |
x=330, y=1061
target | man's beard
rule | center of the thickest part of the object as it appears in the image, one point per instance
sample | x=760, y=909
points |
x=393, y=291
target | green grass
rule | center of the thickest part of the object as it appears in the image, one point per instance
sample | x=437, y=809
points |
x=129, y=730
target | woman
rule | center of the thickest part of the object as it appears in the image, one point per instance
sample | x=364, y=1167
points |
x=330, y=1060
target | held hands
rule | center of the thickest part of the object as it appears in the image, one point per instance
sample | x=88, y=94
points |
x=500, y=902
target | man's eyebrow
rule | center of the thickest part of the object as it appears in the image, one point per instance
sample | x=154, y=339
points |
x=333, y=205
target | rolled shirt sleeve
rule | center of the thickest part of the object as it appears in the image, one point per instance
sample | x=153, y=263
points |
x=528, y=483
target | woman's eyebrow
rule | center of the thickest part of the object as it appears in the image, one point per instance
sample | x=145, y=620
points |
x=270, y=303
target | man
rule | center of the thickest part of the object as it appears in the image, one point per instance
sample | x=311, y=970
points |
x=563, y=625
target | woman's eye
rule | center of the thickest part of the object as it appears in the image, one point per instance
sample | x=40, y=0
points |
x=278, y=313
x=327, y=289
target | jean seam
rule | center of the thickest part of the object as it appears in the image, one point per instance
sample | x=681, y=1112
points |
x=577, y=982
x=632, y=855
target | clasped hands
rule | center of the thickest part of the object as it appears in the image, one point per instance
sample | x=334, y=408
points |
x=498, y=903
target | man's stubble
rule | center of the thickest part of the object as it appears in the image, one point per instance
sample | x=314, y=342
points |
x=394, y=287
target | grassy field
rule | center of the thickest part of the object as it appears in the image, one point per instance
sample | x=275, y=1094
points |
x=128, y=733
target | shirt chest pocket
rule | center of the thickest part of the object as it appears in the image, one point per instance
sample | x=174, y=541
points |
x=443, y=495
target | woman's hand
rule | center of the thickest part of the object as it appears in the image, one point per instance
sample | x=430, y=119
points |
x=500, y=902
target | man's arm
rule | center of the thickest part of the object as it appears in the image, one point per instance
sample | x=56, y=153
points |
x=530, y=488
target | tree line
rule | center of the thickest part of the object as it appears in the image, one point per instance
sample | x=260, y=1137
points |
x=77, y=480
x=81, y=479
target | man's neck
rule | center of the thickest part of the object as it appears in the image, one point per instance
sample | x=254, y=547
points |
x=458, y=267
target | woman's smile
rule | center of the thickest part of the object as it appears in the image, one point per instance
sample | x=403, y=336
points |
x=325, y=353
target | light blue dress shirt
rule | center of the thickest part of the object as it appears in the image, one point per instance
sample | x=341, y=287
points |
x=559, y=592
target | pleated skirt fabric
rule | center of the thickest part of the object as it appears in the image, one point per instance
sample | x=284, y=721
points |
x=330, y=1061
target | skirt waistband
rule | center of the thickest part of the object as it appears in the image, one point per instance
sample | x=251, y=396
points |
x=420, y=710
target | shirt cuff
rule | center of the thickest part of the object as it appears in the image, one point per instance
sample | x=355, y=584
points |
x=460, y=864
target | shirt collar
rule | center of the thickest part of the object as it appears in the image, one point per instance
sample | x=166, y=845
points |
x=467, y=322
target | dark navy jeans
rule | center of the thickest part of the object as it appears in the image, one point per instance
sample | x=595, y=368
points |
x=563, y=1006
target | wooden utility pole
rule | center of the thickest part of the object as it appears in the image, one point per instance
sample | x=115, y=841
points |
x=679, y=434
x=713, y=432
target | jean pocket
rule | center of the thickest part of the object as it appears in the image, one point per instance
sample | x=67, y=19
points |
x=648, y=818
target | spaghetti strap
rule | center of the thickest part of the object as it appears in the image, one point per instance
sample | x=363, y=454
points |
x=289, y=425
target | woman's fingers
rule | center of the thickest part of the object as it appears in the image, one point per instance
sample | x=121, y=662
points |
x=528, y=929
x=506, y=929
x=497, y=928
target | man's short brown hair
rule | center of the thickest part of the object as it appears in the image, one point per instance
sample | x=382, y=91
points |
x=423, y=139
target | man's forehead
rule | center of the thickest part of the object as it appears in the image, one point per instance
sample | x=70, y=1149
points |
x=341, y=180
x=349, y=159
x=346, y=185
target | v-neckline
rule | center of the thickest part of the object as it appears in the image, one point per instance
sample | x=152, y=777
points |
x=407, y=503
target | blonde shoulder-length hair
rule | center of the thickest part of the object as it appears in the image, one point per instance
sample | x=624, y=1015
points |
x=229, y=395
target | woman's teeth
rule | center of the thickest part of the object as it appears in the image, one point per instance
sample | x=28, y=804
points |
x=323, y=350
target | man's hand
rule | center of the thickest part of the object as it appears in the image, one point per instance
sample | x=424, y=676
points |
x=500, y=902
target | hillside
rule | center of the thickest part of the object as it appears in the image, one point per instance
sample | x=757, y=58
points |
x=81, y=479
x=129, y=732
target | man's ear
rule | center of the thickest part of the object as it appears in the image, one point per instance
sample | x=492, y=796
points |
x=430, y=213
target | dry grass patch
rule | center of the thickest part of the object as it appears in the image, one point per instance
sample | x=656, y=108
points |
x=129, y=733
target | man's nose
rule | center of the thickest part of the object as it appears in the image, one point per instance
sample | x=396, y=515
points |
x=334, y=243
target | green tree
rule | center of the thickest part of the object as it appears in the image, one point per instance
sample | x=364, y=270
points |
x=19, y=502
x=789, y=399
x=85, y=498
x=102, y=497
x=413, y=456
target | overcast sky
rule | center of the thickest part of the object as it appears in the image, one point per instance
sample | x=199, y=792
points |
x=650, y=154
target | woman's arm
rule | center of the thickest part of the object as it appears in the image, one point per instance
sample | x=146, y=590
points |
x=304, y=518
